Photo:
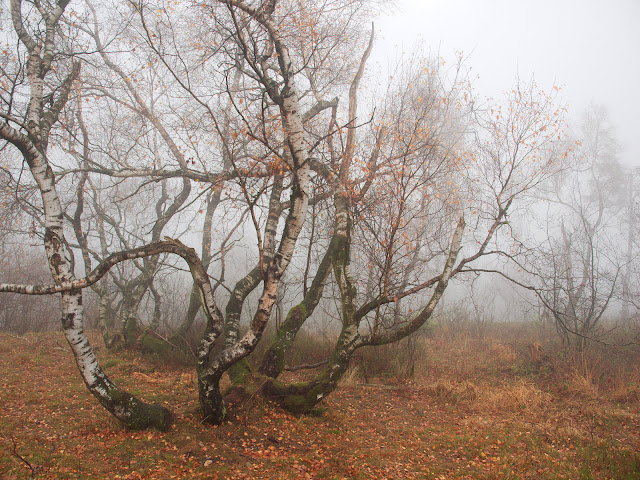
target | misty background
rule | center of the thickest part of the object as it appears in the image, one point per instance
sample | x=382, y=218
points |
x=587, y=48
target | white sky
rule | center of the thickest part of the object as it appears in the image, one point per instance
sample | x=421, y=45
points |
x=591, y=48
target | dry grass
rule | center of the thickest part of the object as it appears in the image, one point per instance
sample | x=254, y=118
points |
x=498, y=374
x=502, y=353
x=477, y=408
x=453, y=392
x=582, y=383
x=520, y=395
x=489, y=398
x=626, y=394
x=351, y=377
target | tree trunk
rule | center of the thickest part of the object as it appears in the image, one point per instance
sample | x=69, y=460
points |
x=129, y=319
x=106, y=321
x=134, y=413
x=272, y=363
x=180, y=336
x=212, y=407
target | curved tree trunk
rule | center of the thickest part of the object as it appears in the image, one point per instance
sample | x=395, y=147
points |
x=272, y=363
x=303, y=397
x=250, y=282
x=124, y=406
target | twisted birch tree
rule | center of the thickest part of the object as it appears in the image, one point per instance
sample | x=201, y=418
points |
x=266, y=97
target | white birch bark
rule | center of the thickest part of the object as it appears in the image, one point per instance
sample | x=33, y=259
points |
x=286, y=97
x=33, y=146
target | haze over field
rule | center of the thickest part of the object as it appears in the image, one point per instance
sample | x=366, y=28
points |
x=244, y=216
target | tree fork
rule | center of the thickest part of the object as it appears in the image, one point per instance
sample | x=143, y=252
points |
x=272, y=363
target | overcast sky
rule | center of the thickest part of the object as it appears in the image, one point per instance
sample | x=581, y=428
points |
x=591, y=48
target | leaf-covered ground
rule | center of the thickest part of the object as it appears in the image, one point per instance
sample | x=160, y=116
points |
x=461, y=417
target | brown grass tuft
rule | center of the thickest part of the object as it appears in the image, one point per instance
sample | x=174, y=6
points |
x=514, y=397
x=453, y=392
x=351, y=377
x=582, y=384
x=502, y=353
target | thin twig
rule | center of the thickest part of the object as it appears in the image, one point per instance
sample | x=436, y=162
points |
x=35, y=469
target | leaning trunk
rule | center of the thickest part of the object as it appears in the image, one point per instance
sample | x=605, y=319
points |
x=122, y=405
x=272, y=363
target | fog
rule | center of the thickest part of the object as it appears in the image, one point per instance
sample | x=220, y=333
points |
x=209, y=180
x=588, y=48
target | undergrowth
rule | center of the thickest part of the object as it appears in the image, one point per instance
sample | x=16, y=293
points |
x=465, y=405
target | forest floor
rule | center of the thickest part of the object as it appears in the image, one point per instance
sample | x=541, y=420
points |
x=475, y=408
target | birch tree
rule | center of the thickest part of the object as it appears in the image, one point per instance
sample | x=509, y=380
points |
x=267, y=99
x=580, y=274
x=48, y=77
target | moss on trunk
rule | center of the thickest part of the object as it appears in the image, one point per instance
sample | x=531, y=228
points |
x=112, y=340
x=136, y=414
x=272, y=363
x=130, y=330
x=303, y=397
x=299, y=398
x=240, y=372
